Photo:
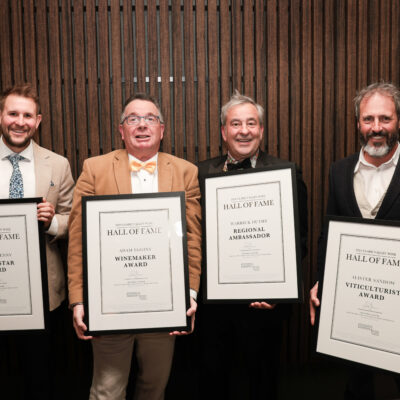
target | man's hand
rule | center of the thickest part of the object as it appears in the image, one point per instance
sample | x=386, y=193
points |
x=190, y=313
x=45, y=212
x=314, y=303
x=262, y=305
x=77, y=318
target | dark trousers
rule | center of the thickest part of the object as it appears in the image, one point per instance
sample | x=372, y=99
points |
x=32, y=360
x=240, y=350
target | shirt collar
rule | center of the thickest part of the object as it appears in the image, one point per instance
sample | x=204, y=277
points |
x=5, y=151
x=393, y=160
x=231, y=160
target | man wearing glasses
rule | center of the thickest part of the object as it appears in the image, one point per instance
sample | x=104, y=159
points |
x=140, y=168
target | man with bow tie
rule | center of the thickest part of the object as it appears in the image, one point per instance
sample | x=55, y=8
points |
x=139, y=168
x=241, y=343
x=28, y=170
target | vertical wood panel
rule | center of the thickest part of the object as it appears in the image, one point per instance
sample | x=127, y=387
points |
x=5, y=46
x=165, y=74
x=92, y=76
x=140, y=45
x=260, y=53
x=283, y=80
x=395, y=42
x=104, y=69
x=178, y=86
x=384, y=39
x=55, y=79
x=272, y=78
x=226, y=50
x=30, y=42
x=152, y=40
x=190, y=127
x=68, y=138
x=18, y=47
x=116, y=72
x=351, y=73
x=128, y=48
x=374, y=35
x=341, y=134
x=201, y=79
x=295, y=80
x=80, y=108
x=213, y=86
x=363, y=41
x=43, y=73
x=237, y=45
x=315, y=211
x=306, y=111
x=329, y=112
x=248, y=48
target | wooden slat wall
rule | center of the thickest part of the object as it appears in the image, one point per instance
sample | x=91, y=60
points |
x=303, y=60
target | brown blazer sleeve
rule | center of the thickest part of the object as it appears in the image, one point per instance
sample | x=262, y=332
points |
x=84, y=187
x=193, y=222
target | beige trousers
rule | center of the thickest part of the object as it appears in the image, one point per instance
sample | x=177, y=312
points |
x=112, y=356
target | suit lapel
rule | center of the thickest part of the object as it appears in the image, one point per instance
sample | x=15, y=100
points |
x=121, y=172
x=164, y=173
x=392, y=193
x=262, y=159
x=43, y=171
x=218, y=165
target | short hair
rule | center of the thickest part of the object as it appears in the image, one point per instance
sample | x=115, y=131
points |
x=145, y=97
x=23, y=90
x=384, y=88
x=237, y=99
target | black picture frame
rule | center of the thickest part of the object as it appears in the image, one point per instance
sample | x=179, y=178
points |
x=260, y=182
x=359, y=319
x=23, y=261
x=131, y=212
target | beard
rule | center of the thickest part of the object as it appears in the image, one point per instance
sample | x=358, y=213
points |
x=379, y=150
x=11, y=142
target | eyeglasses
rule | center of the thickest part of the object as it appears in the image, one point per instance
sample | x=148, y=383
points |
x=135, y=119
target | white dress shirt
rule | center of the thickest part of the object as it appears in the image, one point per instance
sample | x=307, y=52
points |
x=27, y=168
x=144, y=182
x=376, y=179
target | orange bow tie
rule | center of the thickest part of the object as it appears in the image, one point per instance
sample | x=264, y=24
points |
x=150, y=167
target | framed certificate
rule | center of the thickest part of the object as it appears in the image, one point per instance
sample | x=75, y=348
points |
x=24, y=300
x=252, y=249
x=135, y=263
x=360, y=319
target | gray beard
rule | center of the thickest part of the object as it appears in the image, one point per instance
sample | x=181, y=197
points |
x=382, y=150
x=377, y=152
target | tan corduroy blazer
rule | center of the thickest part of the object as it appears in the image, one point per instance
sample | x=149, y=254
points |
x=109, y=174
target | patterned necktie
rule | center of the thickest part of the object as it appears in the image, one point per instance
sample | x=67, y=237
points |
x=16, y=183
x=150, y=166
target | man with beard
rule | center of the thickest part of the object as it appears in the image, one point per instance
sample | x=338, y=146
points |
x=28, y=170
x=367, y=185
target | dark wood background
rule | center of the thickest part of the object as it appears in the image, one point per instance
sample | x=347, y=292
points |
x=303, y=60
